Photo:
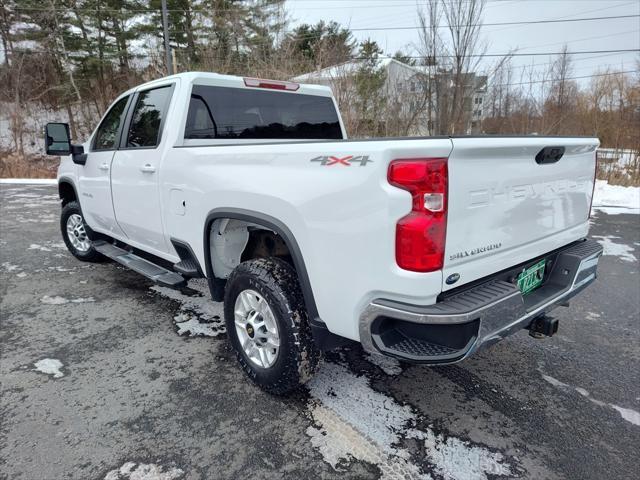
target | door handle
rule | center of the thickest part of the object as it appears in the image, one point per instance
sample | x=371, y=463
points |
x=104, y=166
x=148, y=168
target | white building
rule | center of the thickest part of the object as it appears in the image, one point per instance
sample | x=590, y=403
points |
x=409, y=85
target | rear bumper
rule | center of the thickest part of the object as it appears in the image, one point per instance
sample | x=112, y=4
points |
x=475, y=317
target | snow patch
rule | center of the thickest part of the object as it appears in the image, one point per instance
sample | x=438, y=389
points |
x=8, y=267
x=48, y=247
x=83, y=300
x=627, y=414
x=143, y=471
x=30, y=181
x=620, y=250
x=388, y=365
x=50, y=366
x=346, y=429
x=56, y=300
x=555, y=382
x=197, y=308
x=194, y=327
x=35, y=246
x=455, y=459
x=615, y=199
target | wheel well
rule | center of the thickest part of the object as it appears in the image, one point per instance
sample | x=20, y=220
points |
x=234, y=241
x=67, y=193
x=254, y=244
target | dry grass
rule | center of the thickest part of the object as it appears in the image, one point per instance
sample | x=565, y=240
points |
x=615, y=172
x=34, y=166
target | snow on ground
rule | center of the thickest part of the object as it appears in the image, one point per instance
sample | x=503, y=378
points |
x=195, y=327
x=199, y=315
x=57, y=300
x=9, y=267
x=614, y=199
x=353, y=421
x=628, y=414
x=50, y=366
x=620, y=250
x=144, y=471
x=30, y=181
x=48, y=246
x=388, y=365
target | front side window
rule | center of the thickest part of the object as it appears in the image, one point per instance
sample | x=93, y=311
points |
x=107, y=133
x=151, y=107
x=228, y=113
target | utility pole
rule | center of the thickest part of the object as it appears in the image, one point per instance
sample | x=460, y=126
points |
x=167, y=46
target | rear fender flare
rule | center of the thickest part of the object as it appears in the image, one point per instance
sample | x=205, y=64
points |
x=278, y=227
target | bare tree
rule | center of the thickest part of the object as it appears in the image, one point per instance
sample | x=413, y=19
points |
x=430, y=47
x=452, y=59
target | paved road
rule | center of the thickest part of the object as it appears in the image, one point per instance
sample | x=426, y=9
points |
x=106, y=376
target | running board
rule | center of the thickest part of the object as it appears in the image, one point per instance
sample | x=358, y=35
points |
x=153, y=272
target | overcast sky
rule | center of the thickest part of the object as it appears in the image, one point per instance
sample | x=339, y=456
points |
x=610, y=34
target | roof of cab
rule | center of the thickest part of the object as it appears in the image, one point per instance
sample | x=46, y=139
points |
x=226, y=80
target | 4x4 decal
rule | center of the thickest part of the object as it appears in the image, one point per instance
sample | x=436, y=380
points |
x=329, y=160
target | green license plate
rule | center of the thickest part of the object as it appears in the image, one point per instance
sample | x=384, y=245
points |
x=531, y=278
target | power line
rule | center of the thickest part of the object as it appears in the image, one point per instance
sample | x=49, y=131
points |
x=495, y=24
x=568, y=78
x=534, y=54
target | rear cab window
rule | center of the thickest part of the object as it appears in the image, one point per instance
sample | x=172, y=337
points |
x=239, y=113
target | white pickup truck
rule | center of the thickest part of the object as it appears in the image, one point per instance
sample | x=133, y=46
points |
x=422, y=249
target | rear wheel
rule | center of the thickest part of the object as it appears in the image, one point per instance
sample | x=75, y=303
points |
x=268, y=326
x=74, y=234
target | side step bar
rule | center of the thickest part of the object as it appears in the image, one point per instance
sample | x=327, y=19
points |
x=144, y=267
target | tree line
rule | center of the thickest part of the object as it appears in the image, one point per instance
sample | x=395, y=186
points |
x=76, y=56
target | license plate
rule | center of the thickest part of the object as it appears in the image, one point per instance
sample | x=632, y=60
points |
x=531, y=278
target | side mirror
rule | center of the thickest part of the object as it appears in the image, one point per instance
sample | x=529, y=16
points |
x=57, y=140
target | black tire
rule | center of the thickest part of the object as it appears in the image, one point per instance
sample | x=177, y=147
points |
x=298, y=357
x=90, y=255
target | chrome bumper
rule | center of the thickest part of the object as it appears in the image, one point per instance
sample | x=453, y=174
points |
x=453, y=329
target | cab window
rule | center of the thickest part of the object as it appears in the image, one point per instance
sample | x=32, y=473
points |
x=107, y=134
x=146, y=121
x=229, y=113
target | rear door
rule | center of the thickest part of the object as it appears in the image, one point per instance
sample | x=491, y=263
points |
x=135, y=170
x=507, y=207
x=93, y=177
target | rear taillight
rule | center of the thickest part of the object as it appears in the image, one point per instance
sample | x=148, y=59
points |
x=272, y=84
x=421, y=235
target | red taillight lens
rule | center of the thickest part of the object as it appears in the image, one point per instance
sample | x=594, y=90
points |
x=421, y=235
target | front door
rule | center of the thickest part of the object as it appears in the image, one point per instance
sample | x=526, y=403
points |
x=135, y=170
x=93, y=177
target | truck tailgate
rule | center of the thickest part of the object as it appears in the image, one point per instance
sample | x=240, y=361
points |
x=505, y=207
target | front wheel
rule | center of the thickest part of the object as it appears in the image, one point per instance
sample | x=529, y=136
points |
x=74, y=234
x=268, y=325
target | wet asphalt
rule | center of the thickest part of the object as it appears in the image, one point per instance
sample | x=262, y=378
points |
x=134, y=399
